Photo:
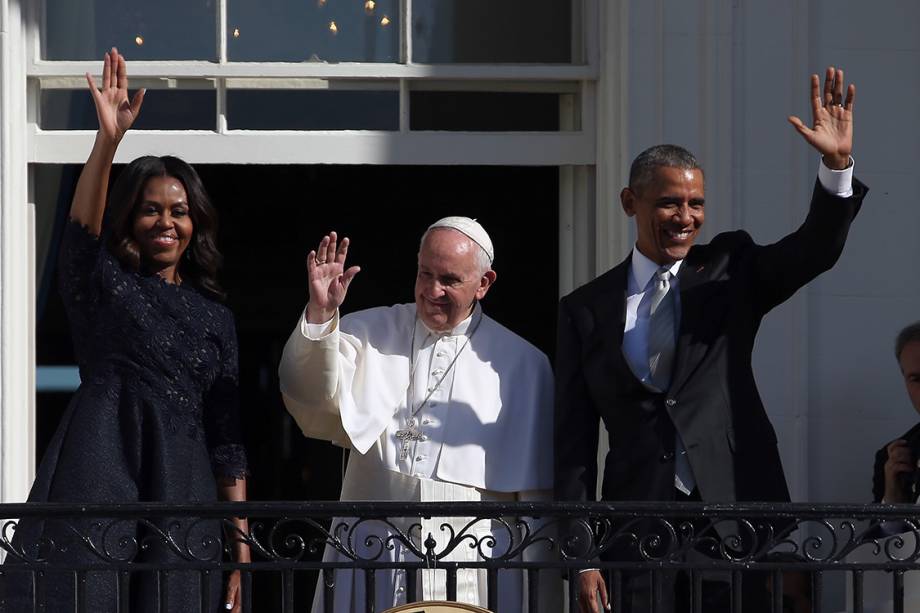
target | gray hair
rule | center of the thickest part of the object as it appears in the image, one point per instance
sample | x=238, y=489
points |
x=909, y=334
x=482, y=258
x=642, y=171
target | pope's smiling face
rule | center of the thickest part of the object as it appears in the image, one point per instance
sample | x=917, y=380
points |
x=669, y=213
x=450, y=279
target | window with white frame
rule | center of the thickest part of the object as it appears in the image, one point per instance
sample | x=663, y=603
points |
x=503, y=86
x=326, y=81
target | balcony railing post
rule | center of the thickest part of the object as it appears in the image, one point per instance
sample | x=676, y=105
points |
x=328, y=575
x=777, y=591
x=204, y=579
x=287, y=591
x=124, y=592
x=79, y=588
x=736, y=599
x=898, y=591
x=492, y=588
x=857, y=591
x=533, y=590
x=572, y=582
x=817, y=591
x=163, y=591
x=452, y=583
x=370, y=590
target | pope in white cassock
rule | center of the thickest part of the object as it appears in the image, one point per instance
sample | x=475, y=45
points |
x=438, y=402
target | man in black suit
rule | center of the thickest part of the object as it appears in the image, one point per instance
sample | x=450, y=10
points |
x=896, y=477
x=659, y=347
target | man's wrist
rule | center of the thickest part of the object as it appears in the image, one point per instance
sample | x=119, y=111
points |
x=836, y=162
x=316, y=315
x=836, y=182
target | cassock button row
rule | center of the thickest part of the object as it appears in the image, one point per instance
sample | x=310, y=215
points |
x=667, y=456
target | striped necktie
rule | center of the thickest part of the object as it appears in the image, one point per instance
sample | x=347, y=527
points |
x=661, y=335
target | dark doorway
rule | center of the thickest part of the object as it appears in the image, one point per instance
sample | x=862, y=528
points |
x=272, y=216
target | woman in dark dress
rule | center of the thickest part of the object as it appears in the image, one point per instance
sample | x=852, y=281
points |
x=156, y=417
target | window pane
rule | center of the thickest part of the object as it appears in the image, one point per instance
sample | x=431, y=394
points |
x=478, y=31
x=484, y=111
x=313, y=30
x=261, y=109
x=164, y=109
x=141, y=29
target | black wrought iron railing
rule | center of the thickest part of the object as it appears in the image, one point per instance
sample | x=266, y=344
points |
x=749, y=557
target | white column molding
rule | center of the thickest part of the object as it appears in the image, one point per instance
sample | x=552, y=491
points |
x=798, y=470
x=612, y=227
x=717, y=106
x=577, y=233
x=17, y=291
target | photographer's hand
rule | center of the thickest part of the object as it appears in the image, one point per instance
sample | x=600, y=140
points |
x=900, y=461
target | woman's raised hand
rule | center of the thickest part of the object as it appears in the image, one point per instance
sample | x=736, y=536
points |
x=113, y=109
x=328, y=278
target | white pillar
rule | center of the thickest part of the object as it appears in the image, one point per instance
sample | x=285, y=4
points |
x=17, y=286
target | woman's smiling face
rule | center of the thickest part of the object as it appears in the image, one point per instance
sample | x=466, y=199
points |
x=163, y=227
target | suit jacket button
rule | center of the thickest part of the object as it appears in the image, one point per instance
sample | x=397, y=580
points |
x=667, y=456
x=670, y=402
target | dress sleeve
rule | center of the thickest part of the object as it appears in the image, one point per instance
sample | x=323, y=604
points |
x=78, y=261
x=222, y=414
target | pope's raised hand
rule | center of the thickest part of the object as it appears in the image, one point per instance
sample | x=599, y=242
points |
x=328, y=278
x=114, y=111
x=832, y=132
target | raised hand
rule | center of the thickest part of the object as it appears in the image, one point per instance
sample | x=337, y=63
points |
x=328, y=278
x=113, y=109
x=832, y=132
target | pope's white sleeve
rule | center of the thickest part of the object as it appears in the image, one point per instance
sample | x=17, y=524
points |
x=309, y=376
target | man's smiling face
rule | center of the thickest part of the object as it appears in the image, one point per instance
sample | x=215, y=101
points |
x=669, y=213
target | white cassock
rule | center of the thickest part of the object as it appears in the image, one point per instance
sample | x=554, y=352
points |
x=480, y=411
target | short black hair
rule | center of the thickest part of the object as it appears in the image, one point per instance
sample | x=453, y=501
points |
x=908, y=334
x=643, y=167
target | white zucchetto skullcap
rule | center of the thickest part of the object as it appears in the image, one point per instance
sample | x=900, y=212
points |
x=472, y=228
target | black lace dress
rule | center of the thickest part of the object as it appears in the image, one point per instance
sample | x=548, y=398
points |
x=156, y=418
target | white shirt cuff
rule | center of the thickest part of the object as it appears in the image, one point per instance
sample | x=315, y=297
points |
x=836, y=182
x=316, y=332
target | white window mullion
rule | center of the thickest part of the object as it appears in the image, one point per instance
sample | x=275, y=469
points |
x=404, y=105
x=222, y=31
x=220, y=98
x=405, y=31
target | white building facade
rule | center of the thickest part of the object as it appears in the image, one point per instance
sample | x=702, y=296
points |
x=717, y=76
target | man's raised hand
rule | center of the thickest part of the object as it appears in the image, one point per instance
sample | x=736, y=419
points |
x=832, y=132
x=328, y=278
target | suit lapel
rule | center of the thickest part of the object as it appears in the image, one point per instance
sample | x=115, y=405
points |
x=610, y=317
x=688, y=354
